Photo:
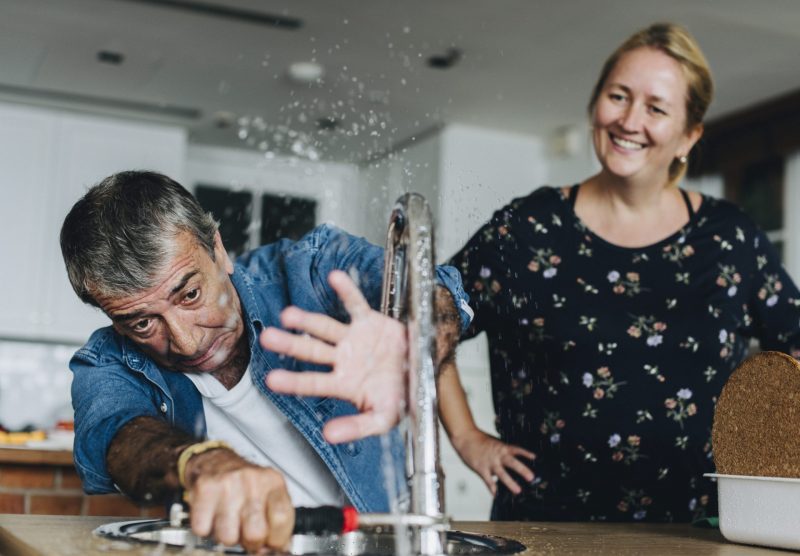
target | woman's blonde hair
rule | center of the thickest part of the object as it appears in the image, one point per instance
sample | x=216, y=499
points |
x=676, y=42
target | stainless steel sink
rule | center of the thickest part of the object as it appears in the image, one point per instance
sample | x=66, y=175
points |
x=374, y=542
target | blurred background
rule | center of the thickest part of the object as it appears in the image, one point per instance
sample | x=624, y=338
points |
x=281, y=115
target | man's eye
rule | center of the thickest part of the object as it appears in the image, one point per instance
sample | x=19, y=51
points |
x=658, y=110
x=191, y=295
x=141, y=325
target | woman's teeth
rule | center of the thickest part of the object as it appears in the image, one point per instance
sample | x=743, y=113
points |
x=625, y=144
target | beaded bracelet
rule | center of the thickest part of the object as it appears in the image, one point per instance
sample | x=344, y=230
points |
x=193, y=450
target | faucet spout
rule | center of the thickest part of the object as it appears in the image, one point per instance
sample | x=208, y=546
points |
x=409, y=282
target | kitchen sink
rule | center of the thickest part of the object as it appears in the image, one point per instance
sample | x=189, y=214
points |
x=371, y=542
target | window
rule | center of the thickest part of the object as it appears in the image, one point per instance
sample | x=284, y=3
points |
x=250, y=219
x=286, y=217
x=233, y=210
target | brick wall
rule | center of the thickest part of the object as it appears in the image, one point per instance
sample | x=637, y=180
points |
x=56, y=489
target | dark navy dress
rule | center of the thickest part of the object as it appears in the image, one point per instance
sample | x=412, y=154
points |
x=607, y=361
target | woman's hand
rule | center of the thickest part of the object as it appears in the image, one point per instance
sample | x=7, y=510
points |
x=489, y=457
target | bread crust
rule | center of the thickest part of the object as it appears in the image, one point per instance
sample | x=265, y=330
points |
x=756, y=428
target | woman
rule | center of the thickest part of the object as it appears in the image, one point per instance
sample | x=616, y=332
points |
x=616, y=309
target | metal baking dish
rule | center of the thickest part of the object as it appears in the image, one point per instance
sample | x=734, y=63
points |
x=759, y=510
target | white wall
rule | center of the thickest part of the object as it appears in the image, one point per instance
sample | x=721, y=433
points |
x=570, y=156
x=412, y=169
x=381, y=185
x=480, y=171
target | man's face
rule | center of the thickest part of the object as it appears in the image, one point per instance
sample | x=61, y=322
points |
x=190, y=320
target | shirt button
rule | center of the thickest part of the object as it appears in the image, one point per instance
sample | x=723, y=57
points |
x=163, y=407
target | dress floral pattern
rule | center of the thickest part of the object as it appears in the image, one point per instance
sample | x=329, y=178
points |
x=606, y=361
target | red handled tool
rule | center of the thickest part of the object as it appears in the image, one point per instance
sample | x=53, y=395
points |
x=335, y=520
x=325, y=519
x=332, y=520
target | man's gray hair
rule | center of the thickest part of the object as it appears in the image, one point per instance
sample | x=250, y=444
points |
x=119, y=236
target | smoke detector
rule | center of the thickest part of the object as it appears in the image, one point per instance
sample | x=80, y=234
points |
x=305, y=72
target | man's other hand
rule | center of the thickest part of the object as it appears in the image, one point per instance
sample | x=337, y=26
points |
x=235, y=501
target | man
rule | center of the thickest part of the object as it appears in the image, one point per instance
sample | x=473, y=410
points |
x=182, y=361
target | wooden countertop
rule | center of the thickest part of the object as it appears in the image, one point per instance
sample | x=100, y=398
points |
x=33, y=456
x=31, y=535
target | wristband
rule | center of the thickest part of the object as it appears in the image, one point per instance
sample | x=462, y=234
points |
x=193, y=450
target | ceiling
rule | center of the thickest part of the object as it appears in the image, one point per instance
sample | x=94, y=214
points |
x=525, y=65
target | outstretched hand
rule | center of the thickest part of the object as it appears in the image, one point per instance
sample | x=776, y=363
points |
x=367, y=359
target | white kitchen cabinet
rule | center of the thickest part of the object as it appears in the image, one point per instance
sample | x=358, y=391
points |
x=49, y=159
x=26, y=139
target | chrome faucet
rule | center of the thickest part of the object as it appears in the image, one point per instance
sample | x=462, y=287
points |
x=409, y=281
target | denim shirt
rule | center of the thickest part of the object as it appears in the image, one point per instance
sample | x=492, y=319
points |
x=114, y=381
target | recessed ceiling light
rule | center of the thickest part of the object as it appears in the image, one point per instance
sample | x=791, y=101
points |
x=306, y=72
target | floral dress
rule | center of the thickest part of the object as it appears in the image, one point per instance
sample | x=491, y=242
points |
x=607, y=361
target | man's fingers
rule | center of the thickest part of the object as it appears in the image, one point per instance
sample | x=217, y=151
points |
x=227, y=513
x=355, y=427
x=203, y=502
x=304, y=384
x=254, y=526
x=280, y=517
x=348, y=292
x=304, y=348
x=318, y=325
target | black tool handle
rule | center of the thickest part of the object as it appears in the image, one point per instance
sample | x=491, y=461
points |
x=320, y=520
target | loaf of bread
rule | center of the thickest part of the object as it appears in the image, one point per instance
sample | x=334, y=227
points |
x=757, y=419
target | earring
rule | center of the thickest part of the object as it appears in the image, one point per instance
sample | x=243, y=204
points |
x=683, y=159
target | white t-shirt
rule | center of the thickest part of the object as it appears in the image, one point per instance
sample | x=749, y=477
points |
x=261, y=433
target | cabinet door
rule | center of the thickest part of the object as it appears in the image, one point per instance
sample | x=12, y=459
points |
x=26, y=142
x=90, y=149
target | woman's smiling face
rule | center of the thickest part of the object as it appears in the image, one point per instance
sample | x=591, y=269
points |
x=639, y=119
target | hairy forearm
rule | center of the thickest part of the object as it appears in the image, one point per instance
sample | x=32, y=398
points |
x=142, y=459
x=448, y=326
